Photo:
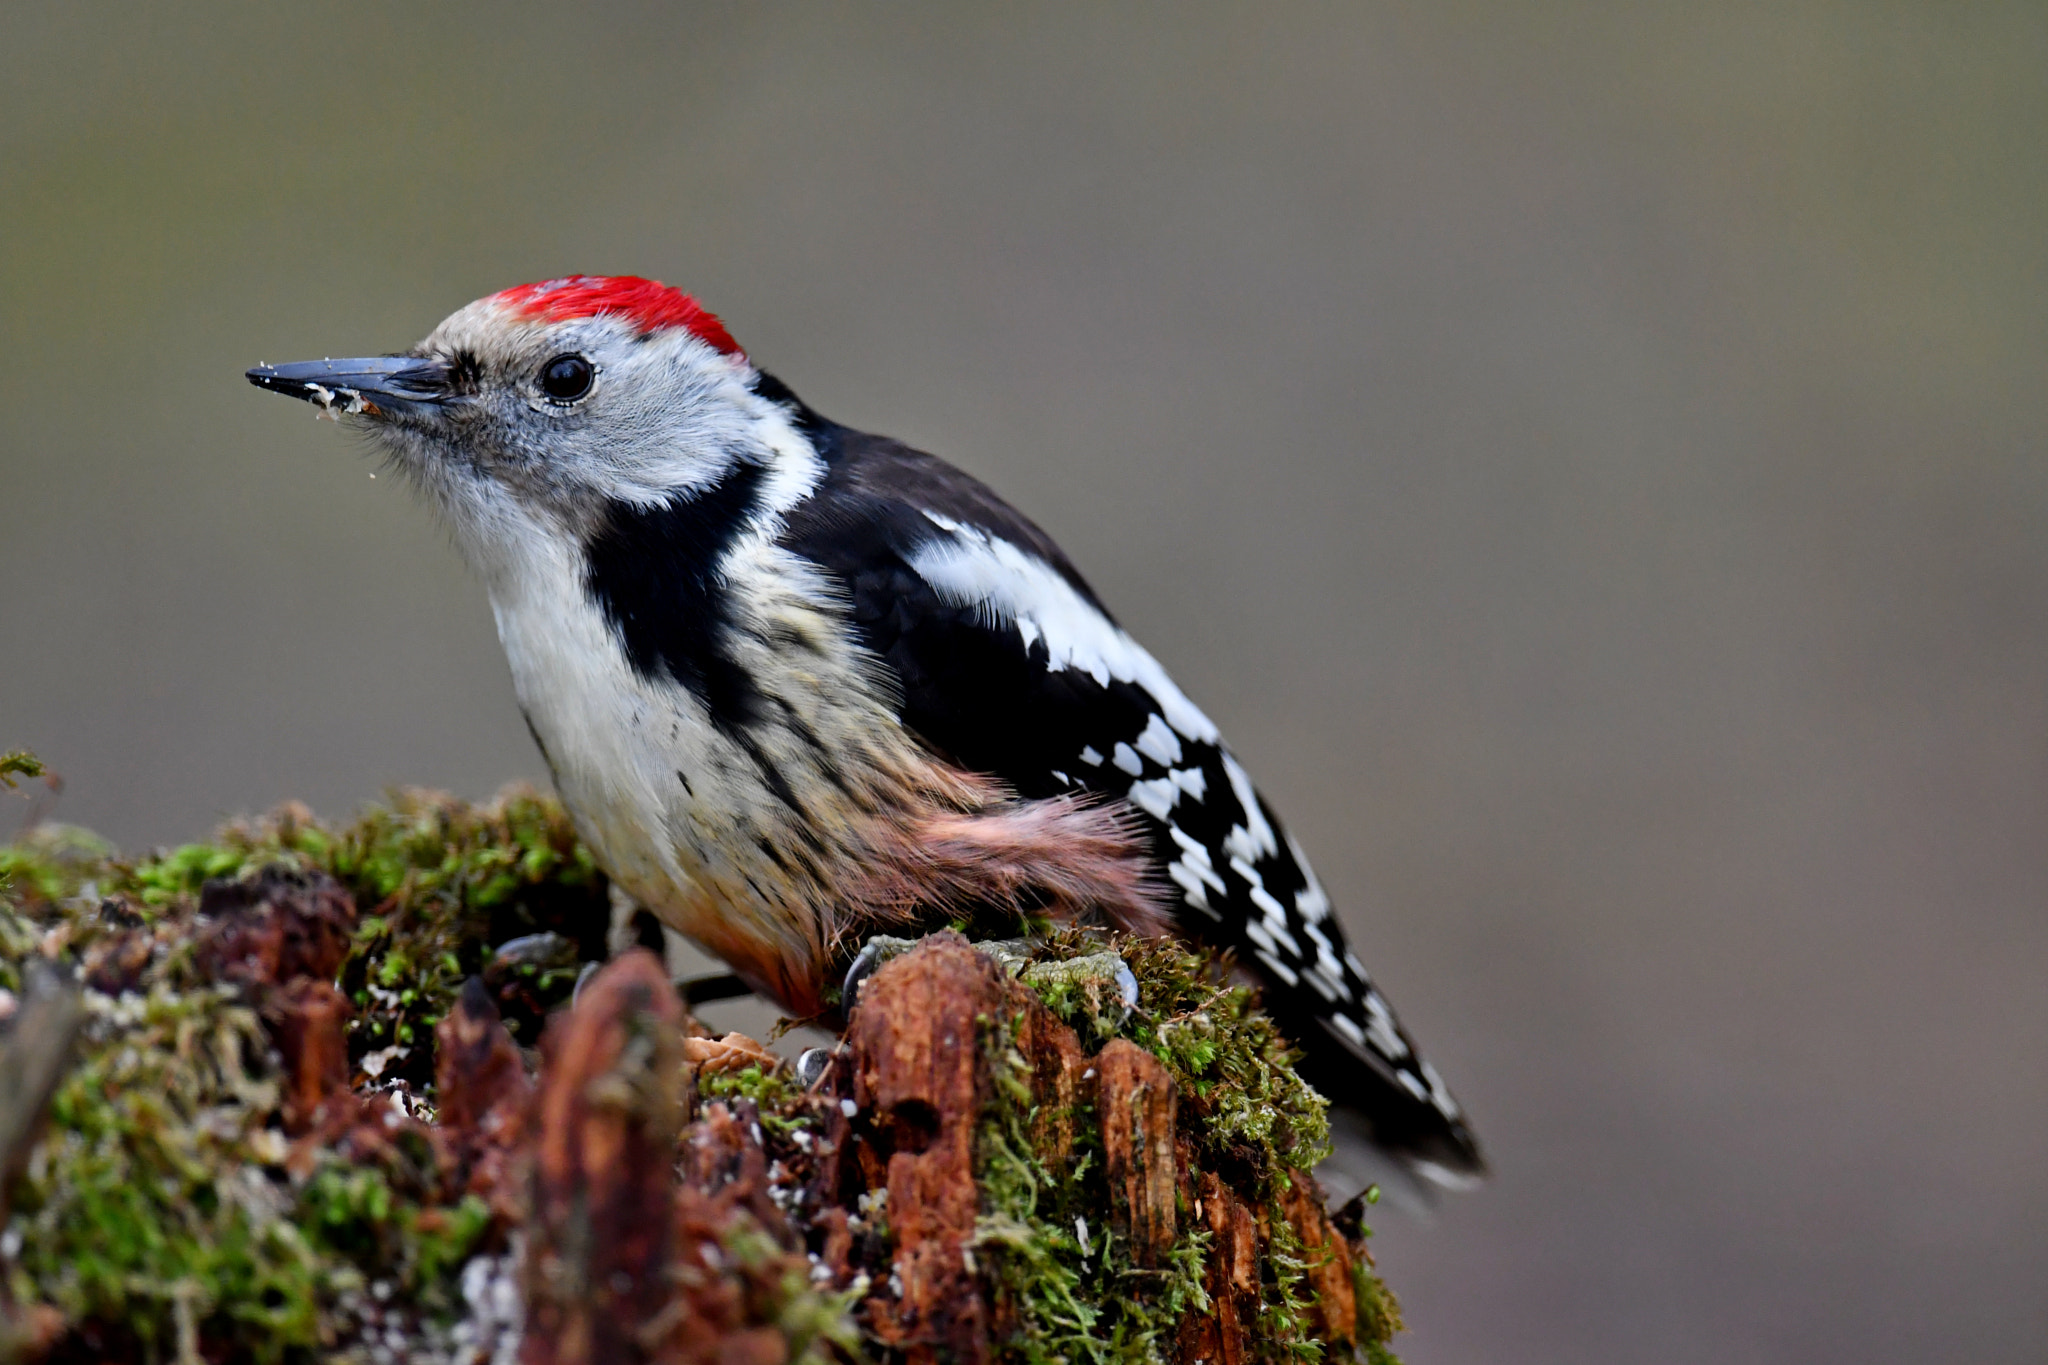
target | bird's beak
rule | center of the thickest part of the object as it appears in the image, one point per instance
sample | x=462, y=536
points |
x=383, y=385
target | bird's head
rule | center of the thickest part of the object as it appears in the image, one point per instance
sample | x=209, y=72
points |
x=555, y=401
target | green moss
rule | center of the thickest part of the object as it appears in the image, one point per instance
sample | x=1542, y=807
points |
x=774, y=1091
x=817, y=1327
x=1379, y=1316
x=1284, y=1321
x=49, y=863
x=157, y=1212
x=356, y=1213
x=1249, y=1109
x=1070, y=1285
x=1251, y=1118
x=150, y=1206
x=18, y=763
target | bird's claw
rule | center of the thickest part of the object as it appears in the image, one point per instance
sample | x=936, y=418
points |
x=1014, y=956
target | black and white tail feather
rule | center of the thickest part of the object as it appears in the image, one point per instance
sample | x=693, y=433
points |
x=1009, y=665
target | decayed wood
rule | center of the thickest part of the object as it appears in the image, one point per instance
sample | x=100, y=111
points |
x=1057, y=1065
x=918, y=1079
x=34, y=1051
x=483, y=1095
x=277, y=926
x=607, y=1115
x=921, y=1080
x=630, y=1218
x=1226, y=1336
x=1136, y=1103
x=308, y=1020
x=722, y=1158
x=1328, y=1257
x=625, y=1262
x=284, y=935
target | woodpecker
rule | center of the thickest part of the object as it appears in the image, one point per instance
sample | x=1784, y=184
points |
x=798, y=684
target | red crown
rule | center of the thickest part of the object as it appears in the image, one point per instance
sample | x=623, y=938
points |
x=649, y=305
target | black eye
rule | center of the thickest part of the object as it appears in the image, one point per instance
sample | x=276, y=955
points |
x=566, y=378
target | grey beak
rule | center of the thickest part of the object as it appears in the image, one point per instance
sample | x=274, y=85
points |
x=378, y=385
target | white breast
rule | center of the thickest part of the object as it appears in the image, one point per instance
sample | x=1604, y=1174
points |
x=621, y=747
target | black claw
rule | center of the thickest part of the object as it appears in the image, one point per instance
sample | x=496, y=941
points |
x=811, y=1064
x=864, y=964
x=589, y=970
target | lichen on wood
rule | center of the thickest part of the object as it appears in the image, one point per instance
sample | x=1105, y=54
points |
x=336, y=1094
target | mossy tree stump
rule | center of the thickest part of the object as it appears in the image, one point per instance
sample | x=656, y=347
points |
x=435, y=1130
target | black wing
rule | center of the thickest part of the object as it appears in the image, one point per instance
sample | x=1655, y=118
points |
x=988, y=693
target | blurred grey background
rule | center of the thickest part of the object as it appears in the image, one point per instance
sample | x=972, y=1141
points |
x=1588, y=457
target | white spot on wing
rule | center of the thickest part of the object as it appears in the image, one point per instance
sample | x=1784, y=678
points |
x=1156, y=797
x=1010, y=586
x=1439, y=1093
x=1328, y=967
x=1443, y=1175
x=1253, y=839
x=1197, y=858
x=1276, y=918
x=1127, y=758
x=1348, y=1026
x=1159, y=743
x=1161, y=794
x=1310, y=902
x=1191, y=881
x=1280, y=969
x=1091, y=755
x=1379, y=1027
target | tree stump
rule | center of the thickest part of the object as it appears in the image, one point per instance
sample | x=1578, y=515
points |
x=1000, y=1159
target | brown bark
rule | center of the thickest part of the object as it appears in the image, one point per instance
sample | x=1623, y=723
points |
x=1136, y=1103
x=277, y=926
x=484, y=1099
x=1328, y=1257
x=1232, y=1280
x=1057, y=1068
x=607, y=1114
x=919, y=1079
x=625, y=1262
x=308, y=1021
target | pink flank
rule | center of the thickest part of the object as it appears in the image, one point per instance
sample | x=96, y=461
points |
x=649, y=305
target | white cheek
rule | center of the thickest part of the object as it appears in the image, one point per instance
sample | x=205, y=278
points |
x=673, y=416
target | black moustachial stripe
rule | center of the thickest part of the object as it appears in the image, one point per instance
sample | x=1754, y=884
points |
x=653, y=572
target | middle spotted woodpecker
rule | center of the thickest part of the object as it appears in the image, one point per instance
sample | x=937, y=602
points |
x=799, y=685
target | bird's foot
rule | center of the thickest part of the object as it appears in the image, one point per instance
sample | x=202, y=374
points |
x=1106, y=981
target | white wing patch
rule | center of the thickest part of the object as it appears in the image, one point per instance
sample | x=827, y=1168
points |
x=1253, y=839
x=1310, y=902
x=1010, y=586
x=1159, y=795
x=1386, y=1039
x=1159, y=743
